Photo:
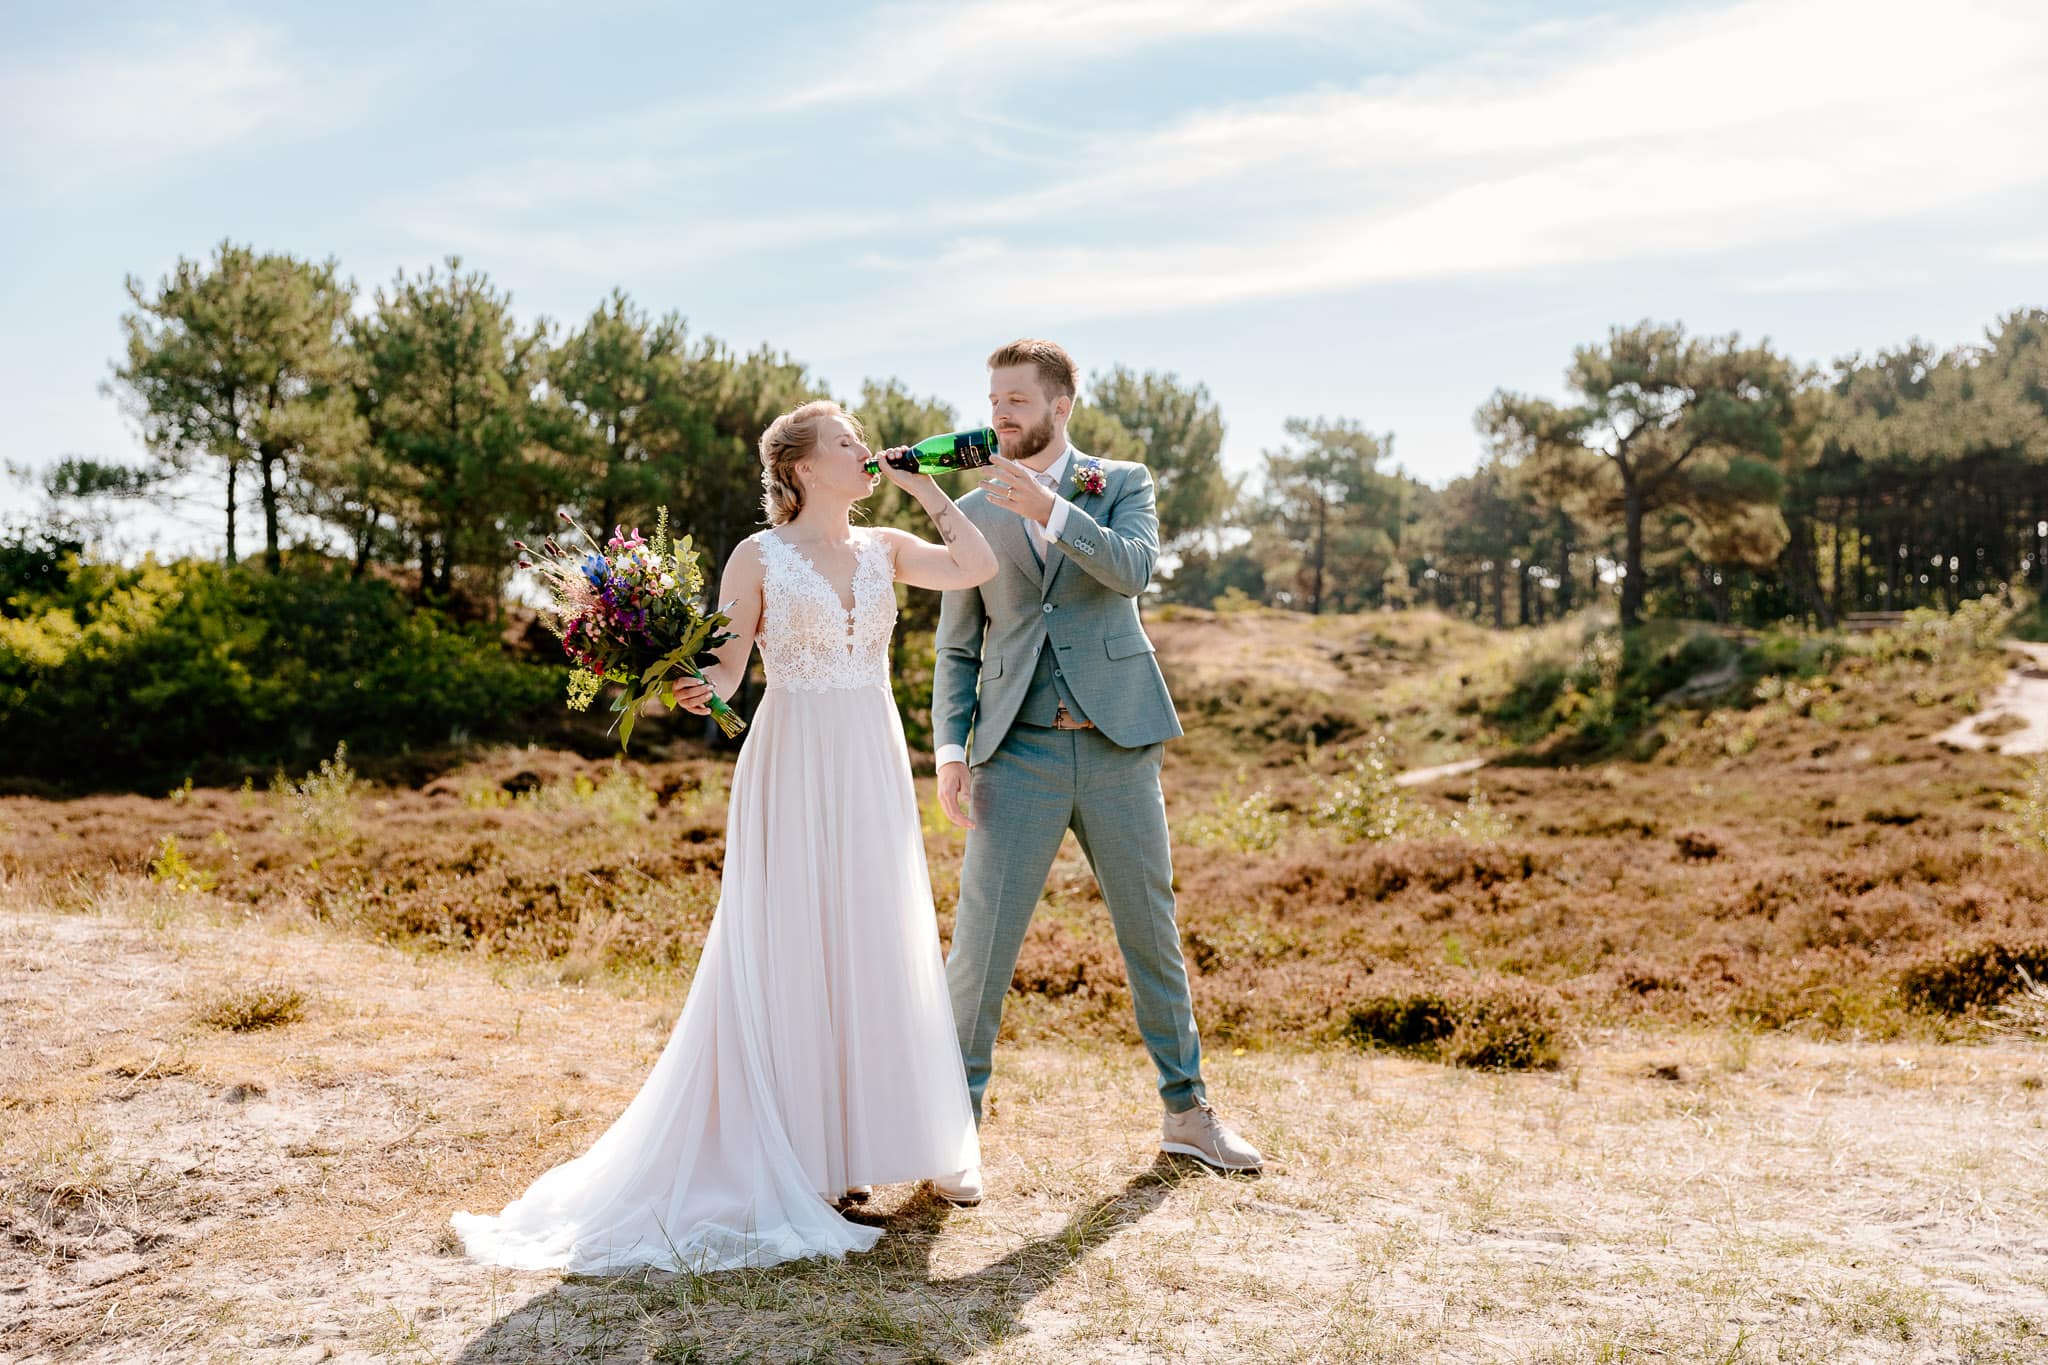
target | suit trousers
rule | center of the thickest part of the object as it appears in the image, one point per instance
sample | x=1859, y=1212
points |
x=1039, y=784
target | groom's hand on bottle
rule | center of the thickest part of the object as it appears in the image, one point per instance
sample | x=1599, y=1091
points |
x=956, y=793
x=692, y=695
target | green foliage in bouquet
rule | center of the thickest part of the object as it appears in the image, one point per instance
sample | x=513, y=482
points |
x=631, y=611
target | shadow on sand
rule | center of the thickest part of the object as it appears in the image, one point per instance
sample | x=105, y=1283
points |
x=884, y=1305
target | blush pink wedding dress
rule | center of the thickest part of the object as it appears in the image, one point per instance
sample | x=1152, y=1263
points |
x=816, y=1050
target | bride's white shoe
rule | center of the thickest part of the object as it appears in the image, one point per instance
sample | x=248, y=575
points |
x=962, y=1189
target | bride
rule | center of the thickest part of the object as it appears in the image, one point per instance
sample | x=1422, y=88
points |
x=815, y=1055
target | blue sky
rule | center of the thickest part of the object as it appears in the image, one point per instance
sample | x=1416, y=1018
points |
x=1378, y=210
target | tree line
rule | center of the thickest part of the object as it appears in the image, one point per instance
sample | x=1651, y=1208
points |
x=1684, y=476
x=418, y=432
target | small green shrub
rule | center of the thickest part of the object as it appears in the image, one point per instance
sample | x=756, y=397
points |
x=245, y=1009
x=323, y=803
x=1477, y=821
x=1490, y=1023
x=172, y=868
x=1364, y=803
x=1367, y=804
x=2026, y=822
x=1237, y=819
x=1974, y=627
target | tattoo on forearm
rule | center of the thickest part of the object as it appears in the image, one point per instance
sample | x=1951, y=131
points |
x=943, y=519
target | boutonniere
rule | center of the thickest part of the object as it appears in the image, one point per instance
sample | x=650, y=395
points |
x=1088, y=475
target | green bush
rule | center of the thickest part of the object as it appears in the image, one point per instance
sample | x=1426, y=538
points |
x=116, y=675
x=1238, y=818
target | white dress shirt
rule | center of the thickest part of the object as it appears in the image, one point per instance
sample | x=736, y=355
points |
x=1053, y=477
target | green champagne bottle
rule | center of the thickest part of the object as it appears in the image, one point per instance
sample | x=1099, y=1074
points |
x=955, y=450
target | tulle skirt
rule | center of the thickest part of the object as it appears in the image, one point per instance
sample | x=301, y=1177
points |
x=816, y=1049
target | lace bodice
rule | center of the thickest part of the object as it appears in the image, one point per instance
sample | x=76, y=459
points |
x=808, y=640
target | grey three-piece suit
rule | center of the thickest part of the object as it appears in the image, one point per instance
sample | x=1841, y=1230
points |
x=1064, y=629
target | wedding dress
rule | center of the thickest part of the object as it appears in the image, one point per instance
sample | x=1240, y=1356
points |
x=816, y=1049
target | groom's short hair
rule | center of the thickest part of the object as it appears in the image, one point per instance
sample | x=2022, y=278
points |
x=1056, y=369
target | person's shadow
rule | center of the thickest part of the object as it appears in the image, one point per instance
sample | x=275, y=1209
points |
x=883, y=1298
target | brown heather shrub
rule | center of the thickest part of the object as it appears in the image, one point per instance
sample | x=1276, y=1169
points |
x=1491, y=1023
x=1697, y=845
x=1807, y=915
x=1972, y=978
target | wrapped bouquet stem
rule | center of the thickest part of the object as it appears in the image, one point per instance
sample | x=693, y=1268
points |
x=631, y=612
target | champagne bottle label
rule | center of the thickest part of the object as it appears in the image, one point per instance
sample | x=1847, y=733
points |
x=956, y=450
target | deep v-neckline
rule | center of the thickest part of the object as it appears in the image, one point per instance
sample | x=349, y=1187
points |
x=860, y=550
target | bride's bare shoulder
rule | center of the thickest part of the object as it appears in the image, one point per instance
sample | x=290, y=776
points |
x=748, y=558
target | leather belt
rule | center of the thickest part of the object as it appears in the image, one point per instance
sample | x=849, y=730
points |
x=1063, y=719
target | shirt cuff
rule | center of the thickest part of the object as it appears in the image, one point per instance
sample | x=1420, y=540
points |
x=949, y=753
x=1056, y=520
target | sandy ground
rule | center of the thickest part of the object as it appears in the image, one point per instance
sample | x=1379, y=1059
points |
x=174, y=1192
x=2014, y=719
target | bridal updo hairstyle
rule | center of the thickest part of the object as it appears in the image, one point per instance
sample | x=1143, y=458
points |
x=788, y=440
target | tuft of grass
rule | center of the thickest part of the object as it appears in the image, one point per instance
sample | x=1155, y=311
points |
x=260, y=1005
x=1492, y=1024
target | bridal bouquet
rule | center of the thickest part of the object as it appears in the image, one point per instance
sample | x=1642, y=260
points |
x=630, y=612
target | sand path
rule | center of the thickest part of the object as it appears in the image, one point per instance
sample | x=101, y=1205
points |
x=2014, y=720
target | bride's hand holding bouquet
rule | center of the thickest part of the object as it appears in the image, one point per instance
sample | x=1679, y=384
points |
x=630, y=611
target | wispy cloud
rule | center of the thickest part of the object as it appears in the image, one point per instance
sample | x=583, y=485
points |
x=191, y=94
x=963, y=51
x=156, y=94
x=1759, y=123
x=1700, y=134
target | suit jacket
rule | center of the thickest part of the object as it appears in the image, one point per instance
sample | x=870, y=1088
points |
x=1082, y=605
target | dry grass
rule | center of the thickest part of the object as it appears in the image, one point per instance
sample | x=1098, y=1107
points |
x=260, y=1043
x=175, y=1192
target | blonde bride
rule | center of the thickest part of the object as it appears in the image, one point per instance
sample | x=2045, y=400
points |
x=816, y=1052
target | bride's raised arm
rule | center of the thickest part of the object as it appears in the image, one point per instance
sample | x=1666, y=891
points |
x=739, y=596
x=962, y=559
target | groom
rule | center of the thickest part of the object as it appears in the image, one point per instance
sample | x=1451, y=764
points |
x=1050, y=714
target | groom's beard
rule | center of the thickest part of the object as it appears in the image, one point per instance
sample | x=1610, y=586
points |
x=1024, y=445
